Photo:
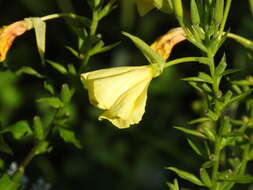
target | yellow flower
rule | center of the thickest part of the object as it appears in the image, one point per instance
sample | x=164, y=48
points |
x=120, y=91
x=8, y=34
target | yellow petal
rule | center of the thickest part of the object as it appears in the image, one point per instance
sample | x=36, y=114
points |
x=121, y=92
x=8, y=35
x=129, y=107
x=106, y=85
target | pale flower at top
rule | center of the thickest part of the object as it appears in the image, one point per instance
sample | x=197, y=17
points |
x=122, y=91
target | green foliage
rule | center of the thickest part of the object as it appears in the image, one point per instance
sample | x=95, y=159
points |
x=150, y=54
x=18, y=130
x=8, y=184
x=220, y=135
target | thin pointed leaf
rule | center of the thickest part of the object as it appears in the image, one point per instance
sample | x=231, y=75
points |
x=197, y=148
x=207, y=78
x=73, y=51
x=69, y=137
x=52, y=102
x=187, y=176
x=199, y=120
x=242, y=179
x=105, y=48
x=149, y=53
x=38, y=128
x=40, y=33
x=29, y=71
x=191, y=132
x=58, y=67
x=230, y=71
x=204, y=176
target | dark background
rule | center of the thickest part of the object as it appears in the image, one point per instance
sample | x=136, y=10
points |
x=126, y=159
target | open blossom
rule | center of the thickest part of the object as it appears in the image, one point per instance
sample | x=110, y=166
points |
x=8, y=35
x=120, y=91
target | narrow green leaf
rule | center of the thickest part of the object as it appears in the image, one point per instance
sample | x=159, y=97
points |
x=225, y=126
x=72, y=69
x=194, y=13
x=193, y=79
x=18, y=130
x=110, y=6
x=40, y=33
x=66, y=94
x=174, y=186
x=179, y=11
x=199, y=120
x=58, y=67
x=29, y=71
x=227, y=97
x=73, y=51
x=207, y=78
x=38, y=128
x=196, y=86
x=221, y=67
x=230, y=71
x=191, y=132
x=69, y=137
x=187, y=176
x=204, y=176
x=149, y=53
x=102, y=49
x=7, y=184
x=49, y=87
x=42, y=147
x=207, y=164
x=4, y=147
x=218, y=11
x=52, y=102
x=208, y=132
x=197, y=148
x=243, y=179
x=240, y=96
x=213, y=116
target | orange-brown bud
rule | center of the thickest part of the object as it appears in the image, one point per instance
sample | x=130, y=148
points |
x=8, y=35
x=164, y=44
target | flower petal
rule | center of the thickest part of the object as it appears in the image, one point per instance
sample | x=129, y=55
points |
x=107, y=85
x=129, y=107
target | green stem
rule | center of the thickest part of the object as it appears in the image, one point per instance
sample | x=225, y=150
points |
x=225, y=16
x=215, y=170
x=67, y=15
x=93, y=29
x=184, y=60
x=244, y=41
x=33, y=151
x=94, y=23
x=245, y=158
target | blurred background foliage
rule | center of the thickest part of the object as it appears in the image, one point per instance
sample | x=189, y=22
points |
x=126, y=159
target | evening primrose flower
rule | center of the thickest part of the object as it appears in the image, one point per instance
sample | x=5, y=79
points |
x=8, y=35
x=121, y=92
